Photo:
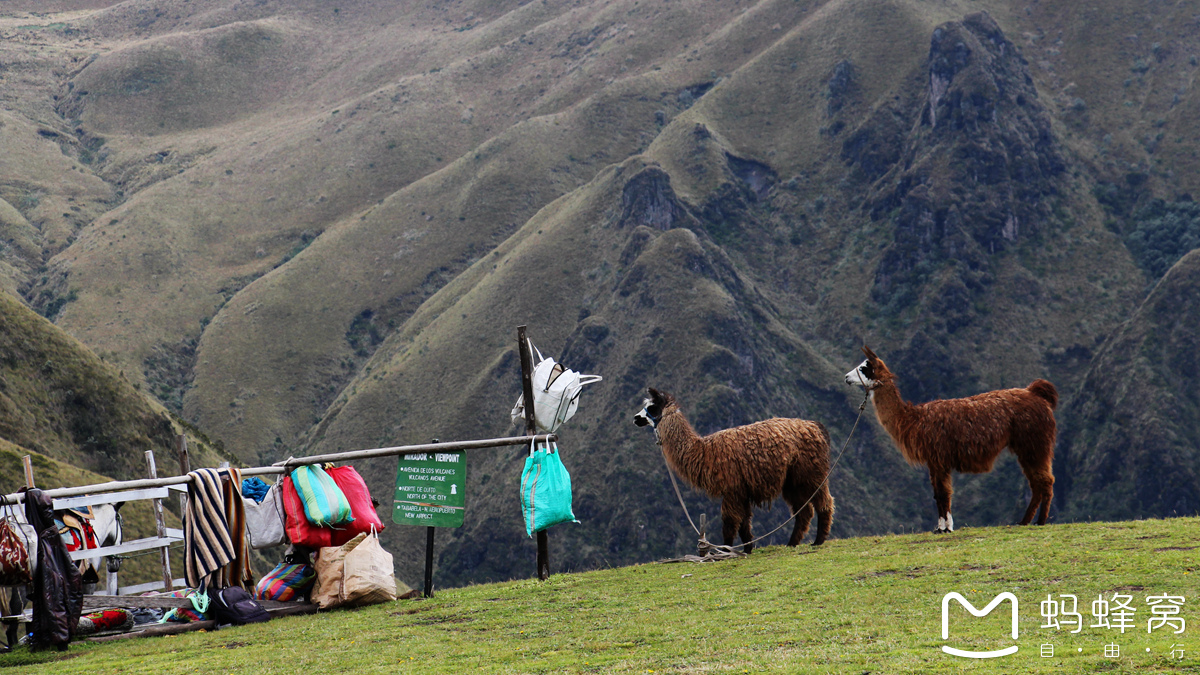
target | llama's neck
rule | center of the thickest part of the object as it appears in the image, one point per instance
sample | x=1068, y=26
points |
x=682, y=446
x=896, y=415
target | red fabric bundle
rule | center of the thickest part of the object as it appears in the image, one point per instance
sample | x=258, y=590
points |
x=108, y=619
x=355, y=489
x=304, y=533
x=299, y=530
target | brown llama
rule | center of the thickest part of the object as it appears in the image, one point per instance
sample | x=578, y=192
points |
x=968, y=434
x=748, y=466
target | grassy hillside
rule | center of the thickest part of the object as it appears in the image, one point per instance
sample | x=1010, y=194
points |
x=870, y=604
x=60, y=400
x=308, y=227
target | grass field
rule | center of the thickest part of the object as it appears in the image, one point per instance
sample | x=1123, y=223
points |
x=865, y=605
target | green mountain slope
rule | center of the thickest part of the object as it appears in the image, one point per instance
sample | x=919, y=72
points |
x=61, y=401
x=1130, y=443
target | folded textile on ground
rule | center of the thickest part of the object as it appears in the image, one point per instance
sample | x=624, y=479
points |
x=105, y=620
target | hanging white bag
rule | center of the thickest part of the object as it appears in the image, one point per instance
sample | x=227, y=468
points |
x=265, y=520
x=556, y=390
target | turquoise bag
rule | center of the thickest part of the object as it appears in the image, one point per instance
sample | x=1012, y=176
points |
x=545, y=490
x=324, y=503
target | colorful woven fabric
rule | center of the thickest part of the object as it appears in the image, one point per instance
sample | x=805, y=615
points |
x=105, y=620
x=214, y=530
x=299, y=531
x=286, y=582
x=324, y=503
x=76, y=533
x=182, y=614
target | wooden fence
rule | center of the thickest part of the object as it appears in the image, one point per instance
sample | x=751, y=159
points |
x=156, y=489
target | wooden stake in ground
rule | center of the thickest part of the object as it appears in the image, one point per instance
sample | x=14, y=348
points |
x=543, y=541
x=185, y=467
x=160, y=524
x=429, y=561
x=28, y=462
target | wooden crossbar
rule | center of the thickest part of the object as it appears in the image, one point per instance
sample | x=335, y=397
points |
x=128, y=547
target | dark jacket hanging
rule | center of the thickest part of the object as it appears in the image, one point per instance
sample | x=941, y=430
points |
x=57, y=587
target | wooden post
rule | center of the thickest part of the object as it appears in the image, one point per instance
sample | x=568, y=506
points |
x=429, y=532
x=185, y=467
x=28, y=462
x=543, y=541
x=429, y=561
x=160, y=525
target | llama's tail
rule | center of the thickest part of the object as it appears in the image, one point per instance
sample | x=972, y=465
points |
x=1045, y=390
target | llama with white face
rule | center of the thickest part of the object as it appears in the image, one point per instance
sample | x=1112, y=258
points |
x=748, y=466
x=968, y=434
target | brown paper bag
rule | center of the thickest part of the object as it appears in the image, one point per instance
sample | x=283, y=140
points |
x=330, y=569
x=368, y=576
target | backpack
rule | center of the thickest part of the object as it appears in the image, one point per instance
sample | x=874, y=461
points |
x=234, y=605
x=556, y=390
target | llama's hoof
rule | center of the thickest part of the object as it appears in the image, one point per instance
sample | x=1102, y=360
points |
x=940, y=531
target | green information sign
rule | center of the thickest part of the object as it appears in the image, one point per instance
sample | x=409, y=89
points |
x=430, y=489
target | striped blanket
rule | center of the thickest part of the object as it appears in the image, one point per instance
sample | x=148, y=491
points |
x=214, y=530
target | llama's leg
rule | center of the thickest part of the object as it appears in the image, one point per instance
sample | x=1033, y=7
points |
x=745, y=533
x=1047, y=497
x=10, y=627
x=16, y=605
x=797, y=494
x=943, y=490
x=800, y=529
x=731, y=520
x=1041, y=488
x=824, y=502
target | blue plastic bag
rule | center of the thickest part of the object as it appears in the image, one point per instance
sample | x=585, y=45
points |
x=545, y=490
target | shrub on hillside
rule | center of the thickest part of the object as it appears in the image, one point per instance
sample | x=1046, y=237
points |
x=1161, y=233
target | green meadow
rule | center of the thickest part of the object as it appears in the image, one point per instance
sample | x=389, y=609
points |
x=860, y=605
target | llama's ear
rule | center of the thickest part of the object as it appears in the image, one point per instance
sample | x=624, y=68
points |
x=870, y=354
x=655, y=395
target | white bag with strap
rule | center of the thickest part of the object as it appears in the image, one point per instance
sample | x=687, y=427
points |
x=556, y=390
x=265, y=520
